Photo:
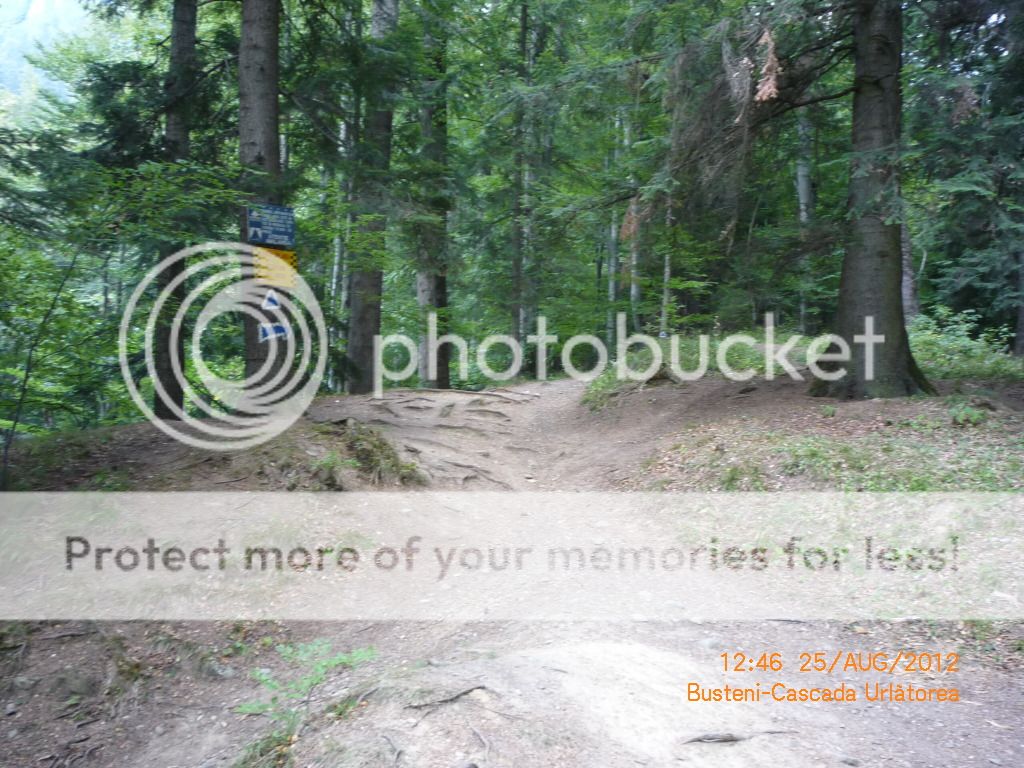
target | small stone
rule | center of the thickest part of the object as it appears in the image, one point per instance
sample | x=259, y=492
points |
x=849, y=761
x=74, y=683
x=23, y=683
x=214, y=669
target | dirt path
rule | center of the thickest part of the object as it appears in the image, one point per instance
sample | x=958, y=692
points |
x=522, y=694
x=529, y=437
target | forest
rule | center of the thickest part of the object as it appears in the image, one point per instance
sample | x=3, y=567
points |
x=481, y=564
x=693, y=165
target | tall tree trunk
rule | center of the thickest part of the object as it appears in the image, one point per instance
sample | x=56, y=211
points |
x=666, y=275
x=613, y=246
x=529, y=142
x=284, y=148
x=634, y=230
x=613, y=277
x=519, y=244
x=1018, y=346
x=908, y=280
x=367, y=281
x=177, y=130
x=258, y=129
x=528, y=313
x=635, y=294
x=341, y=303
x=805, y=201
x=666, y=294
x=432, y=259
x=804, y=181
x=872, y=266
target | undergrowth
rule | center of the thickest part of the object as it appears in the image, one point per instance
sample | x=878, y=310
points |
x=691, y=358
x=377, y=458
x=946, y=345
x=949, y=345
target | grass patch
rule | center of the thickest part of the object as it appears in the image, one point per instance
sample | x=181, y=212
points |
x=900, y=463
x=270, y=751
x=342, y=708
x=743, y=477
x=289, y=699
x=329, y=468
x=966, y=415
x=692, y=357
x=377, y=458
x=948, y=345
x=36, y=459
x=947, y=446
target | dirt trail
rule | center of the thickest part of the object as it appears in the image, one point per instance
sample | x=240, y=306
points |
x=530, y=437
x=522, y=694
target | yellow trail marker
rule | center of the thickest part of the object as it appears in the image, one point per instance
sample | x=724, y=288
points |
x=276, y=267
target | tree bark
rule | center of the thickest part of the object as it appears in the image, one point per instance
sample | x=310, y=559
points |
x=1018, y=346
x=805, y=201
x=367, y=281
x=804, y=181
x=519, y=191
x=177, y=135
x=613, y=245
x=613, y=278
x=432, y=240
x=635, y=294
x=349, y=131
x=666, y=293
x=634, y=232
x=908, y=280
x=258, y=129
x=872, y=266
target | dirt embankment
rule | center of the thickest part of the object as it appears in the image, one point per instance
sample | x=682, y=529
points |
x=516, y=693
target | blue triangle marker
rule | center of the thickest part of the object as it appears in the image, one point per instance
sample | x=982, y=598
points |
x=270, y=301
x=272, y=331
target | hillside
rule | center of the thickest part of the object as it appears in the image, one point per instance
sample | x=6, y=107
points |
x=516, y=693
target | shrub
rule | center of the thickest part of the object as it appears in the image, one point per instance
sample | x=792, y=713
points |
x=949, y=345
x=739, y=357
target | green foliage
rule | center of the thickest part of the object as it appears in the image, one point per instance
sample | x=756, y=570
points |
x=950, y=345
x=895, y=463
x=377, y=458
x=965, y=415
x=332, y=461
x=740, y=358
x=289, y=698
x=625, y=140
x=270, y=751
x=343, y=707
x=965, y=181
x=743, y=477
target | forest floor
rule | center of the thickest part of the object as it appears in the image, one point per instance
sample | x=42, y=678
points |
x=526, y=694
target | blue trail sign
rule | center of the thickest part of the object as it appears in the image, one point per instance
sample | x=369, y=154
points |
x=270, y=331
x=272, y=225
